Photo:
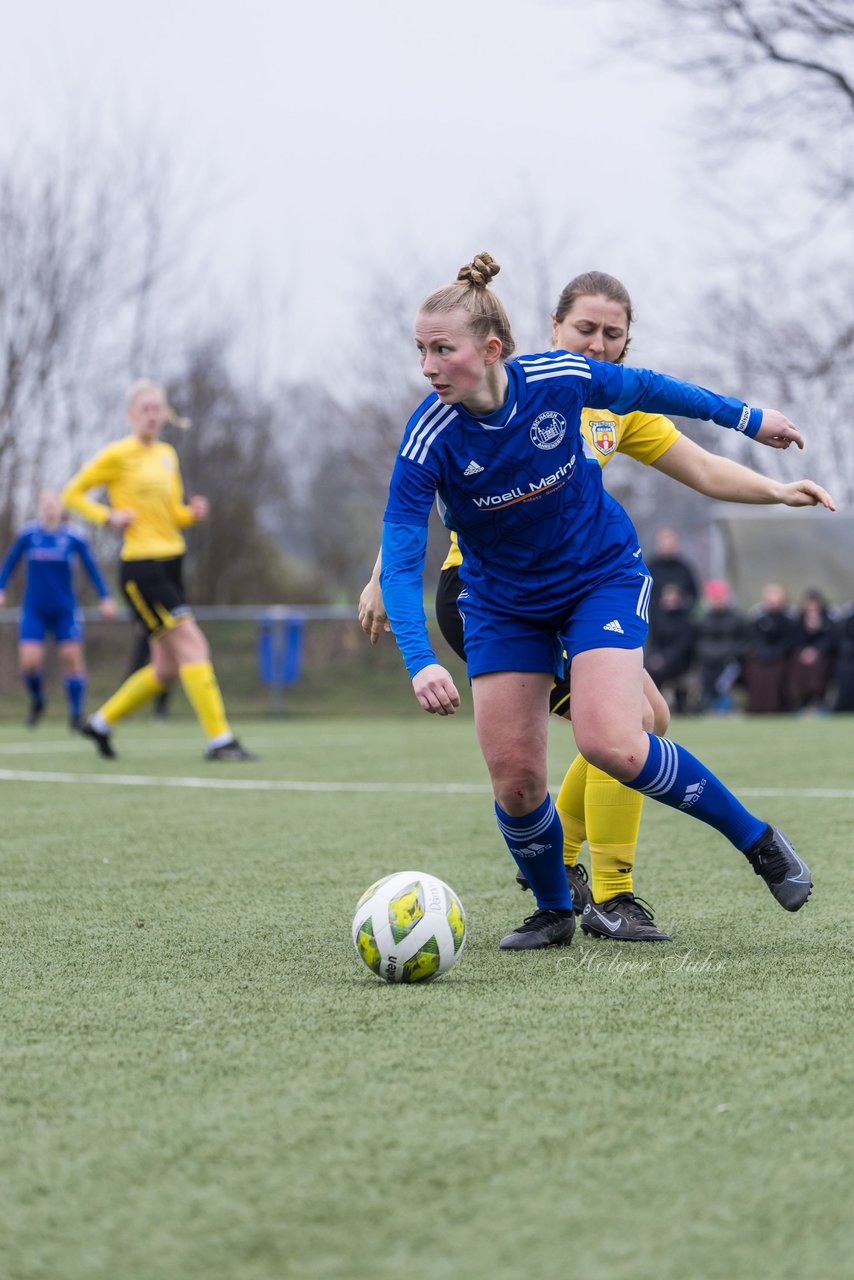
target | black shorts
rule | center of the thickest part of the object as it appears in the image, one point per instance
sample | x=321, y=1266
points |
x=448, y=616
x=154, y=589
x=450, y=623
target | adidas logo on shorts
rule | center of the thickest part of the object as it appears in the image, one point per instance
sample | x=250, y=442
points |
x=473, y=469
x=614, y=626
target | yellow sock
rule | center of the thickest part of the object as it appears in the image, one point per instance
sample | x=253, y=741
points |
x=202, y=689
x=570, y=807
x=138, y=689
x=613, y=814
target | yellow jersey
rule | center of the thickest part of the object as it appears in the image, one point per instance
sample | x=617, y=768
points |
x=144, y=479
x=643, y=436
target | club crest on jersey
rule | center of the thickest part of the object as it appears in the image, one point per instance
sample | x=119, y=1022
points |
x=548, y=430
x=604, y=436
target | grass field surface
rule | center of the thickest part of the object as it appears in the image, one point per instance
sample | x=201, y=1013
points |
x=201, y=1078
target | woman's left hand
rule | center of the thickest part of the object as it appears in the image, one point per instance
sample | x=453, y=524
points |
x=199, y=507
x=806, y=493
x=435, y=690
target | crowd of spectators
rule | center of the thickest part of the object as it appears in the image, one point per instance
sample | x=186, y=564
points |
x=708, y=655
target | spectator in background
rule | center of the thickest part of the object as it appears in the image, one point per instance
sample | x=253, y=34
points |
x=670, y=649
x=721, y=643
x=843, y=672
x=772, y=635
x=670, y=569
x=812, y=659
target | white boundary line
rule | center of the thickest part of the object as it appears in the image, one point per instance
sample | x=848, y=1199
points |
x=390, y=788
x=240, y=784
x=84, y=747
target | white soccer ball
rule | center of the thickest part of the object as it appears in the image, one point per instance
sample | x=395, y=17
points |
x=409, y=927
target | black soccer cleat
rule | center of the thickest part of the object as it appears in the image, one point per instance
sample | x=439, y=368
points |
x=103, y=741
x=623, y=917
x=34, y=714
x=543, y=929
x=229, y=751
x=576, y=878
x=786, y=875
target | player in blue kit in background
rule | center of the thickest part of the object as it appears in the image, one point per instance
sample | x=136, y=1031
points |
x=550, y=563
x=49, y=548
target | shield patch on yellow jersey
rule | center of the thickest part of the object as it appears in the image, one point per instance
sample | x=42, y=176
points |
x=605, y=436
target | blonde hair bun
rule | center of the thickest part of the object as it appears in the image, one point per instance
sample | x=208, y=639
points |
x=479, y=271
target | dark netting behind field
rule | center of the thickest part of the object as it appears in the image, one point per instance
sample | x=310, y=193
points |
x=341, y=672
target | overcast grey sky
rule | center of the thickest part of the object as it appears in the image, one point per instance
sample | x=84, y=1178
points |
x=343, y=132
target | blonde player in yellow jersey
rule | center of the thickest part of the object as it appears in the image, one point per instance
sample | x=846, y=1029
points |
x=142, y=477
x=593, y=318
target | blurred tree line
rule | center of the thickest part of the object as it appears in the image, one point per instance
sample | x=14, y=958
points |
x=774, y=82
x=103, y=280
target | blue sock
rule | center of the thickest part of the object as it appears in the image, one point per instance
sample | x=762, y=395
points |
x=676, y=778
x=536, y=843
x=75, y=692
x=33, y=681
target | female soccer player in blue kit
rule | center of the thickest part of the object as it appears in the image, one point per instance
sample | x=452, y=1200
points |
x=550, y=563
x=49, y=549
x=593, y=317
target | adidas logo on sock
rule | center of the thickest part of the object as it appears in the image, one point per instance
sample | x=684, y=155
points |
x=692, y=793
x=473, y=469
x=531, y=850
x=614, y=626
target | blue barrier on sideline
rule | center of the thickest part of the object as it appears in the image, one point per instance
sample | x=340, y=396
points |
x=280, y=648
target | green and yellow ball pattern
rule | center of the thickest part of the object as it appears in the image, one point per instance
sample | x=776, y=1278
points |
x=409, y=927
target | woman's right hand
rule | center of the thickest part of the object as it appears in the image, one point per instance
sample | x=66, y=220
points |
x=435, y=690
x=372, y=615
x=120, y=519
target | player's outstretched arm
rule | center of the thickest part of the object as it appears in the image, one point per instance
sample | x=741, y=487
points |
x=435, y=690
x=722, y=478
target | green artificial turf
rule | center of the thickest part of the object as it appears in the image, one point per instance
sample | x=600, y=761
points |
x=200, y=1078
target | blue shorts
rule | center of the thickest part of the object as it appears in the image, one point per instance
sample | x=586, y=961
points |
x=64, y=625
x=610, y=616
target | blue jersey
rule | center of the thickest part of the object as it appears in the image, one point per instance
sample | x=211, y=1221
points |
x=49, y=556
x=536, y=527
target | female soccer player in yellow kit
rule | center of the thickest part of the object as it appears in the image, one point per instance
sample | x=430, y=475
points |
x=146, y=504
x=593, y=318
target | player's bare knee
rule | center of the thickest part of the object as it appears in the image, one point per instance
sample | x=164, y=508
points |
x=518, y=790
x=619, y=758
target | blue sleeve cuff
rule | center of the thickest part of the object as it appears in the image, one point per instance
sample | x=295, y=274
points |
x=752, y=420
x=402, y=582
